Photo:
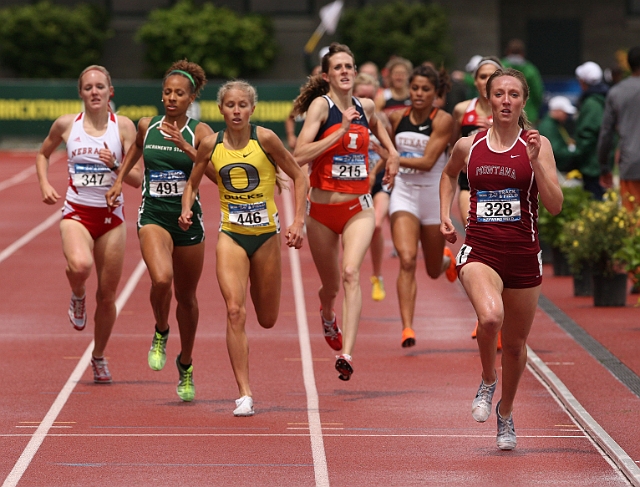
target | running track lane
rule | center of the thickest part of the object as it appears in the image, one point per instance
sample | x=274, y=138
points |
x=403, y=419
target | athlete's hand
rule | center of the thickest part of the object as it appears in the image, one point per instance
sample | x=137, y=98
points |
x=448, y=230
x=112, y=195
x=106, y=156
x=533, y=145
x=184, y=220
x=348, y=115
x=170, y=131
x=49, y=195
x=484, y=122
x=295, y=235
x=391, y=169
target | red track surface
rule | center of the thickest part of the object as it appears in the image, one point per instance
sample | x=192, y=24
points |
x=403, y=419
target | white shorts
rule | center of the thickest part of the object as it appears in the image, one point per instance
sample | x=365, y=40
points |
x=421, y=200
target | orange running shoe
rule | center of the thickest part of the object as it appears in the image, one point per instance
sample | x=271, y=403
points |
x=499, y=340
x=451, y=272
x=474, y=333
x=408, y=338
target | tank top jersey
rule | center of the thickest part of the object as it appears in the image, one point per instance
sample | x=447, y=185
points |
x=343, y=166
x=166, y=168
x=411, y=141
x=504, y=195
x=468, y=125
x=89, y=177
x=246, y=183
x=391, y=104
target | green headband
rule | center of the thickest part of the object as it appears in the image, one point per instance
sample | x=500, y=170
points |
x=185, y=74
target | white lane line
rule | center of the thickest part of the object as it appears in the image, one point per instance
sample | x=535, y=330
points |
x=584, y=419
x=281, y=435
x=41, y=433
x=313, y=403
x=31, y=234
x=25, y=173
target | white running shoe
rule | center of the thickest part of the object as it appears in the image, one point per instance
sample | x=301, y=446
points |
x=481, y=407
x=78, y=312
x=244, y=406
x=506, y=438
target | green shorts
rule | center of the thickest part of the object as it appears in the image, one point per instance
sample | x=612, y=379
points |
x=169, y=221
x=250, y=243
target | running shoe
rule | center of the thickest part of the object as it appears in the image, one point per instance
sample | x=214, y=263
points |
x=244, y=406
x=101, y=374
x=186, y=388
x=157, y=356
x=451, y=272
x=474, y=333
x=481, y=407
x=377, y=290
x=343, y=365
x=332, y=333
x=78, y=312
x=408, y=338
x=506, y=438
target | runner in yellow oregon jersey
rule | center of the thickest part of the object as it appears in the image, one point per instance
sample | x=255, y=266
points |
x=246, y=160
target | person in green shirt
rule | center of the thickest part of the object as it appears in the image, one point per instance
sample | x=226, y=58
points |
x=553, y=127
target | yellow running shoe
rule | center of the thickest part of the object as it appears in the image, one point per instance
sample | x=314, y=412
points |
x=186, y=388
x=377, y=290
x=157, y=356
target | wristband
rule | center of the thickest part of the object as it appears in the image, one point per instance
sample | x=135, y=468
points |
x=115, y=166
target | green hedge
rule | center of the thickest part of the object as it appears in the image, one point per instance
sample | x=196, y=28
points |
x=52, y=41
x=223, y=43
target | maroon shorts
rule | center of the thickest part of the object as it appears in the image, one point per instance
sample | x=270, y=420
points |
x=517, y=269
x=336, y=216
x=98, y=220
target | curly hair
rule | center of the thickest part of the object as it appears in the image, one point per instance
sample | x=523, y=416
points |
x=192, y=71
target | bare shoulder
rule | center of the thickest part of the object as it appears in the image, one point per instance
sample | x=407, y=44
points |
x=125, y=123
x=463, y=145
x=460, y=108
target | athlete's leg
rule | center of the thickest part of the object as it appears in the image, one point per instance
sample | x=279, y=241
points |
x=265, y=278
x=187, y=269
x=432, y=247
x=232, y=269
x=519, y=310
x=156, y=246
x=77, y=246
x=484, y=288
x=325, y=250
x=381, y=207
x=109, y=256
x=405, y=230
x=356, y=238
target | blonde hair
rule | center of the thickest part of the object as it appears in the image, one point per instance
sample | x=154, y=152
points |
x=238, y=84
x=365, y=79
x=93, y=67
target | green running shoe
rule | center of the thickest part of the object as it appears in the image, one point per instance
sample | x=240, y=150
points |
x=157, y=356
x=186, y=388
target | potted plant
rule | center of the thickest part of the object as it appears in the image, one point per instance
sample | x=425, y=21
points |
x=550, y=227
x=629, y=253
x=595, y=238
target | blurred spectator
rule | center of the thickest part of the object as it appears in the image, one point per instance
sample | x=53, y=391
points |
x=553, y=127
x=591, y=110
x=396, y=95
x=515, y=58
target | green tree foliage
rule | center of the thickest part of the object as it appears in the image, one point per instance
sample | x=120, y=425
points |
x=416, y=31
x=52, y=41
x=224, y=44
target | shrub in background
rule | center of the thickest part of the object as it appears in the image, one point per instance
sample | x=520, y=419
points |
x=51, y=41
x=416, y=31
x=223, y=43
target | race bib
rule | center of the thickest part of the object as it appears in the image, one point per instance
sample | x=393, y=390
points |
x=163, y=184
x=91, y=175
x=409, y=170
x=498, y=206
x=249, y=214
x=350, y=168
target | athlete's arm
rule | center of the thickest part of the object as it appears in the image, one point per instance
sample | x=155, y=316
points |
x=128, y=138
x=437, y=144
x=449, y=184
x=58, y=133
x=131, y=158
x=276, y=150
x=544, y=168
x=203, y=159
x=307, y=148
x=393, y=159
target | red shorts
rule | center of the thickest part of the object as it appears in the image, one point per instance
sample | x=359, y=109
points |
x=97, y=219
x=518, y=270
x=336, y=216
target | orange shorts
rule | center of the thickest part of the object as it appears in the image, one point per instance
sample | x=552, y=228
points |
x=336, y=216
